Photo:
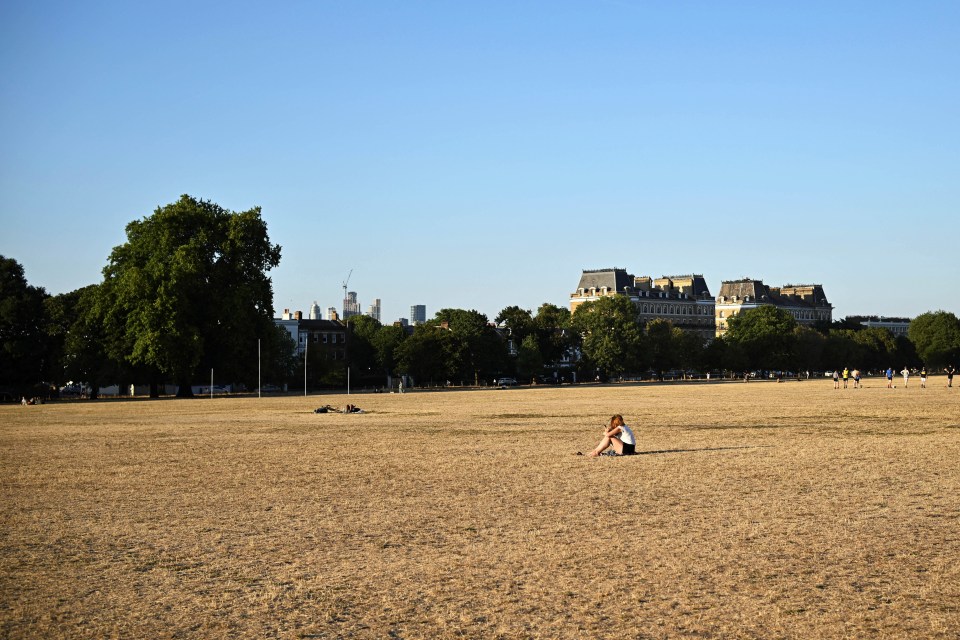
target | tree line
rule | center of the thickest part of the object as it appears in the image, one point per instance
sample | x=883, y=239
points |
x=189, y=292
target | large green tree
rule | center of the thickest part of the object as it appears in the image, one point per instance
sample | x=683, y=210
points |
x=688, y=346
x=529, y=359
x=363, y=353
x=189, y=291
x=936, y=336
x=518, y=322
x=766, y=335
x=278, y=358
x=808, y=348
x=612, y=337
x=878, y=348
x=554, y=334
x=430, y=355
x=23, y=340
x=669, y=347
x=841, y=350
x=662, y=346
x=479, y=349
x=60, y=313
x=86, y=357
x=387, y=344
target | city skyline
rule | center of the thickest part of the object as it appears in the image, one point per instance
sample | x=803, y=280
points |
x=478, y=155
x=411, y=316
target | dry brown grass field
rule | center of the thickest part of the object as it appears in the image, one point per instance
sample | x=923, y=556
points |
x=756, y=510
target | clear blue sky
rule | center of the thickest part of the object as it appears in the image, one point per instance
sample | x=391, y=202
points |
x=481, y=154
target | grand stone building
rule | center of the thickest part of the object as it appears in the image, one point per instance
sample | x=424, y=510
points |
x=683, y=300
x=686, y=301
x=807, y=303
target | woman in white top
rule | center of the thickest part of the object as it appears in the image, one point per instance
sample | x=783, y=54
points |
x=618, y=437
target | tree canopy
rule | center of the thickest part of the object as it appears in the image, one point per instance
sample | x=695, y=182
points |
x=478, y=348
x=612, y=338
x=23, y=343
x=936, y=336
x=189, y=290
x=766, y=335
x=519, y=323
x=430, y=354
x=555, y=336
x=374, y=348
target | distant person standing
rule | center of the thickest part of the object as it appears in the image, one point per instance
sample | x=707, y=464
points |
x=846, y=376
x=856, y=378
x=949, y=376
x=836, y=379
x=923, y=378
x=906, y=376
x=889, y=377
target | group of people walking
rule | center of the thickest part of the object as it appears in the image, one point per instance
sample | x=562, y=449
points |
x=846, y=374
x=905, y=372
x=846, y=378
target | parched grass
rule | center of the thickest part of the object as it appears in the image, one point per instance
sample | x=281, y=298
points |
x=757, y=510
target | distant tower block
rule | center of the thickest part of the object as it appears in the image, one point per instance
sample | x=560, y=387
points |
x=374, y=310
x=418, y=314
x=350, y=305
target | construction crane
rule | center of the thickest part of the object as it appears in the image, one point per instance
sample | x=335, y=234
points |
x=345, y=283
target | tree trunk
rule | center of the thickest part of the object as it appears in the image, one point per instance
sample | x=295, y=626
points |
x=184, y=390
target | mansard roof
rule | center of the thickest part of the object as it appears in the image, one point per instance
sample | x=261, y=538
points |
x=614, y=279
x=754, y=289
x=810, y=295
x=808, y=292
x=697, y=281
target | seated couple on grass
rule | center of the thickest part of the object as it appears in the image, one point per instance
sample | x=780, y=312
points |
x=618, y=438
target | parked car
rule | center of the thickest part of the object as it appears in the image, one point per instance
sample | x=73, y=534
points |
x=216, y=389
x=506, y=382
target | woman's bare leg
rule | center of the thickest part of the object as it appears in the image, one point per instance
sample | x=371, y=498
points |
x=606, y=443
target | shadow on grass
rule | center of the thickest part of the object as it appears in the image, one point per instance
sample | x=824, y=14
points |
x=651, y=453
